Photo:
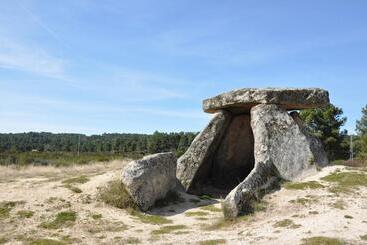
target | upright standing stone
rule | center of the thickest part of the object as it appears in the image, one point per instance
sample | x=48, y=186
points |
x=281, y=140
x=282, y=150
x=196, y=161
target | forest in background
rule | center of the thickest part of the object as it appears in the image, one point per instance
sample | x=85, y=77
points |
x=60, y=149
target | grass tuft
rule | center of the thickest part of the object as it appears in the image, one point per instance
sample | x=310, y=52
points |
x=45, y=241
x=364, y=237
x=149, y=219
x=196, y=213
x=25, y=213
x=303, y=185
x=96, y=216
x=211, y=208
x=6, y=207
x=339, y=204
x=212, y=242
x=320, y=240
x=346, y=181
x=73, y=188
x=168, y=229
x=62, y=219
x=288, y=223
x=115, y=194
x=76, y=180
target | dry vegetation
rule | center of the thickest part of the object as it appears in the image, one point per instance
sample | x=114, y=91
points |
x=88, y=205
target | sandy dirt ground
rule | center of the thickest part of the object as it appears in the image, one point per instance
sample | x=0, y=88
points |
x=288, y=217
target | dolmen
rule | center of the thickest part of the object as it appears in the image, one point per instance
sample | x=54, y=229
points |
x=255, y=139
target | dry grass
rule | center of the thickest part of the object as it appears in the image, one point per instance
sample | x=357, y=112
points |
x=320, y=240
x=168, y=229
x=10, y=173
x=212, y=242
x=303, y=185
x=286, y=223
x=66, y=218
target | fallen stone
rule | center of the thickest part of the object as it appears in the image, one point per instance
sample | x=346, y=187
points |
x=242, y=100
x=196, y=162
x=149, y=179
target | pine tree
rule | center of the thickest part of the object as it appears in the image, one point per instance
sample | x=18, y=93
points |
x=361, y=127
x=325, y=123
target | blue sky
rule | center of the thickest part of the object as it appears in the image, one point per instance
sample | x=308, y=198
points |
x=138, y=66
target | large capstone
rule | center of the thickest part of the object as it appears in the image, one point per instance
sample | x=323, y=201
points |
x=251, y=144
x=149, y=179
x=242, y=100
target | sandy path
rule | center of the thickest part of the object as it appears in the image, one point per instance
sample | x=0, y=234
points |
x=41, y=190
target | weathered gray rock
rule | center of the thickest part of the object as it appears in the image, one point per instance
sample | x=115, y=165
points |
x=262, y=178
x=283, y=150
x=280, y=140
x=241, y=100
x=149, y=179
x=196, y=162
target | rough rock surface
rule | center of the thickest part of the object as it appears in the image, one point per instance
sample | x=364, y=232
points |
x=283, y=150
x=149, y=179
x=262, y=178
x=281, y=140
x=241, y=100
x=196, y=161
x=234, y=158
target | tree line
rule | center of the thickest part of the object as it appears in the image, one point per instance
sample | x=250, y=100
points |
x=113, y=143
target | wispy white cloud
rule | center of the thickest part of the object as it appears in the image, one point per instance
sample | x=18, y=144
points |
x=16, y=56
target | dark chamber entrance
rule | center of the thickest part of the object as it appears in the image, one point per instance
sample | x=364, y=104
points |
x=232, y=161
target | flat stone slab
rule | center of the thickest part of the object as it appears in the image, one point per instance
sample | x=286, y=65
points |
x=242, y=100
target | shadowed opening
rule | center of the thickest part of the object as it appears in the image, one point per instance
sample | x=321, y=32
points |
x=231, y=161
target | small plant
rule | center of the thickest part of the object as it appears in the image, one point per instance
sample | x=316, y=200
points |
x=304, y=200
x=73, y=188
x=303, y=185
x=212, y=242
x=286, y=223
x=318, y=240
x=313, y=212
x=96, y=216
x=6, y=207
x=347, y=180
x=364, y=237
x=339, y=204
x=116, y=195
x=211, y=208
x=196, y=213
x=61, y=220
x=348, y=216
x=147, y=218
x=76, y=180
x=205, y=197
x=25, y=214
x=168, y=229
x=45, y=241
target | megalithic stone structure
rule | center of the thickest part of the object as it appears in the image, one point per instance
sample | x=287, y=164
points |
x=251, y=143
